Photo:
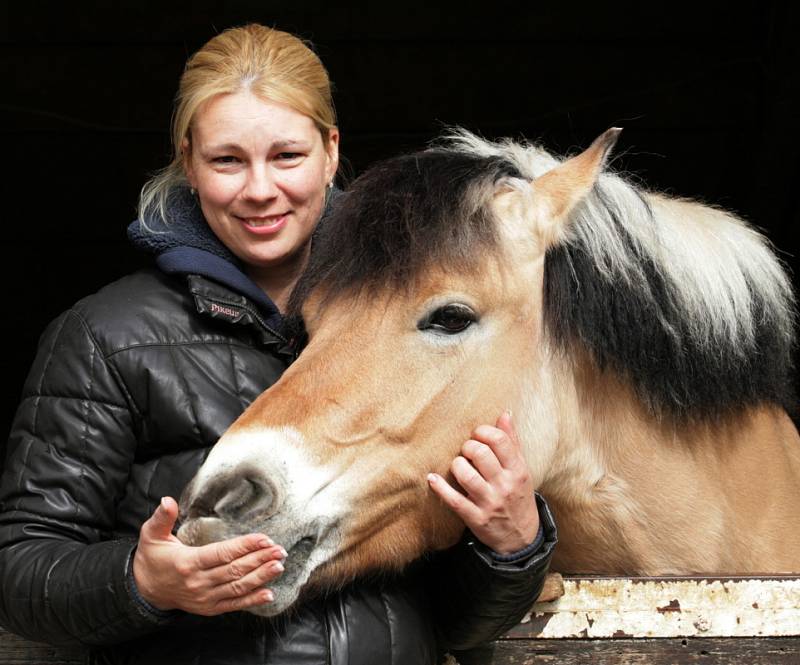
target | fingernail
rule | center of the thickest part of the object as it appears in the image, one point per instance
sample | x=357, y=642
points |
x=432, y=477
x=283, y=553
x=278, y=566
x=164, y=502
x=265, y=542
x=269, y=596
x=508, y=411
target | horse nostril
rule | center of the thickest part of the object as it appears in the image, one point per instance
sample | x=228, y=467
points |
x=237, y=495
x=244, y=496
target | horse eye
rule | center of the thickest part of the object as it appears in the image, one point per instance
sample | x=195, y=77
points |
x=450, y=319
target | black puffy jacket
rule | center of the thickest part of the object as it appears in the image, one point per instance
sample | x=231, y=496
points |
x=129, y=390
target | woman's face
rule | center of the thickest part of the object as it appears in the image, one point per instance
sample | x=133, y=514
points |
x=260, y=170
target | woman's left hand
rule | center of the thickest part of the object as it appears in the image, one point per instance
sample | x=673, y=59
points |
x=499, y=507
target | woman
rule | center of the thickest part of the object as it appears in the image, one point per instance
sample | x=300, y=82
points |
x=133, y=384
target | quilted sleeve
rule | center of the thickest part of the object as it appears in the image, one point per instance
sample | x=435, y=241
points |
x=62, y=578
x=477, y=598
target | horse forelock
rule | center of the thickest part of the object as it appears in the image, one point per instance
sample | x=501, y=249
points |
x=402, y=217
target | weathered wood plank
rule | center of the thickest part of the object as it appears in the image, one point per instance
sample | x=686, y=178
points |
x=15, y=650
x=655, y=651
x=659, y=651
x=607, y=607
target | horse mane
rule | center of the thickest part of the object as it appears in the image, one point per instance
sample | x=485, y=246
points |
x=711, y=306
x=401, y=216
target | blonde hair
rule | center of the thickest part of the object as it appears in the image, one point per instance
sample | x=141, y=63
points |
x=274, y=65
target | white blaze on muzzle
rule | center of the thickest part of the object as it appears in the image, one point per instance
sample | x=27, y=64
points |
x=263, y=481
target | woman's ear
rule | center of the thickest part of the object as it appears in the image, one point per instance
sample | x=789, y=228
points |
x=186, y=155
x=332, y=151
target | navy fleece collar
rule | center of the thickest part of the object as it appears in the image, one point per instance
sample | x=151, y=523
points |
x=193, y=261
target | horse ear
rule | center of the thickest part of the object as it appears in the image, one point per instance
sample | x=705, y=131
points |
x=559, y=190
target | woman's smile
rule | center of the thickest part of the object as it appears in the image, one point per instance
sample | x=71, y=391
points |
x=264, y=224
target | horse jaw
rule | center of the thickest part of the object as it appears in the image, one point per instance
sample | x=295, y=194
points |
x=330, y=531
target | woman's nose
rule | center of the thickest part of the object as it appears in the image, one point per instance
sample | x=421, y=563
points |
x=260, y=185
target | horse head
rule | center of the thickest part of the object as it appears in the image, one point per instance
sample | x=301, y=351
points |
x=450, y=285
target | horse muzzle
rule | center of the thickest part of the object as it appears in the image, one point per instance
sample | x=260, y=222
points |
x=262, y=487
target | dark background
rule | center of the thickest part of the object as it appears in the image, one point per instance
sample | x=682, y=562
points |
x=705, y=94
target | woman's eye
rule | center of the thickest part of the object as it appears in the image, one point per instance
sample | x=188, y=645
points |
x=226, y=159
x=288, y=156
x=449, y=319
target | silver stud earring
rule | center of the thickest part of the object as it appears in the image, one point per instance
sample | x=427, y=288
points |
x=330, y=185
x=193, y=191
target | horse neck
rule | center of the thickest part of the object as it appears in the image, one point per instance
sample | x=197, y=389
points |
x=637, y=494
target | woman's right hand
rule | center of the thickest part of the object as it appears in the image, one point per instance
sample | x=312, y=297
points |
x=212, y=579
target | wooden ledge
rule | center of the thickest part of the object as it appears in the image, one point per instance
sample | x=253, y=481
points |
x=624, y=607
x=612, y=621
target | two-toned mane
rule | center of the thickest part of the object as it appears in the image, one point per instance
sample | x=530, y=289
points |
x=685, y=301
x=643, y=342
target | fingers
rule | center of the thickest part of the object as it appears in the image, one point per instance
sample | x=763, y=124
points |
x=456, y=501
x=240, y=583
x=174, y=580
x=505, y=423
x=226, y=551
x=468, y=477
x=482, y=458
x=245, y=585
x=485, y=458
x=160, y=524
x=502, y=439
x=239, y=568
x=253, y=599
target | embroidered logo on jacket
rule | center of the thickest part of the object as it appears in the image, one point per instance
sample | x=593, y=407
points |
x=225, y=311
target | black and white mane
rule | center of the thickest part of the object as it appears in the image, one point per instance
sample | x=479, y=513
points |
x=695, y=312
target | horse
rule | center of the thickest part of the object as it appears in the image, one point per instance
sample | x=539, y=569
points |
x=643, y=343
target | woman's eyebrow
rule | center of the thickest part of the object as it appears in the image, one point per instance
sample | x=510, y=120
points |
x=277, y=145
x=290, y=143
x=222, y=147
